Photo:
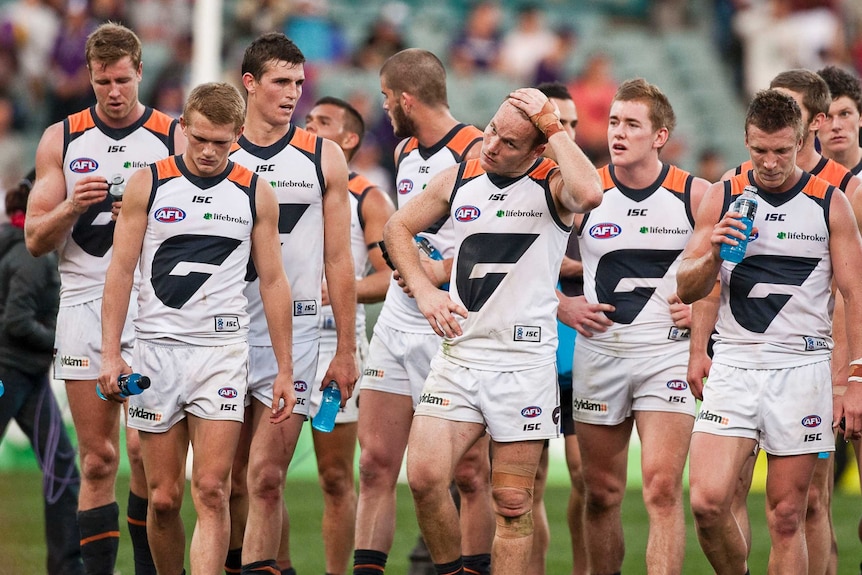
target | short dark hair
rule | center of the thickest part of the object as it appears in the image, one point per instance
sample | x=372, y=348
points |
x=417, y=72
x=815, y=92
x=842, y=83
x=771, y=111
x=273, y=46
x=556, y=90
x=16, y=198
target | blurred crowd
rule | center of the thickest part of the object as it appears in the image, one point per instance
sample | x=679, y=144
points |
x=43, y=74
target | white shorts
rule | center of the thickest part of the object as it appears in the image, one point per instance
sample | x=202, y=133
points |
x=788, y=411
x=207, y=382
x=263, y=368
x=513, y=405
x=78, y=342
x=607, y=389
x=350, y=412
x=398, y=362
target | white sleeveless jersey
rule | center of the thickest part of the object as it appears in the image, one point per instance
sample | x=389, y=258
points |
x=631, y=246
x=776, y=305
x=293, y=167
x=509, y=244
x=92, y=148
x=416, y=166
x=358, y=185
x=195, y=255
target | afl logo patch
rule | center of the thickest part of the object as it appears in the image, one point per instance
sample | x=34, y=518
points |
x=605, y=231
x=677, y=385
x=811, y=421
x=83, y=165
x=532, y=411
x=300, y=386
x=405, y=186
x=467, y=213
x=169, y=215
x=228, y=392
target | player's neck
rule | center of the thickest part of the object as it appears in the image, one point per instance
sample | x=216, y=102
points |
x=849, y=158
x=261, y=132
x=808, y=157
x=432, y=126
x=124, y=122
x=640, y=175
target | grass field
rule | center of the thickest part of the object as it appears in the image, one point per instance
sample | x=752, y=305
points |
x=22, y=548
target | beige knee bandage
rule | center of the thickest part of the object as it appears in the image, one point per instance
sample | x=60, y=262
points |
x=509, y=476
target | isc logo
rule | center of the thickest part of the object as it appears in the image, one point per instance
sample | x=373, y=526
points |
x=532, y=411
x=83, y=165
x=811, y=421
x=228, y=392
x=775, y=217
x=114, y=149
x=532, y=427
x=605, y=231
x=169, y=215
x=265, y=168
x=467, y=213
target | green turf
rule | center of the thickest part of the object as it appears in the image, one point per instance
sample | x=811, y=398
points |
x=22, y=549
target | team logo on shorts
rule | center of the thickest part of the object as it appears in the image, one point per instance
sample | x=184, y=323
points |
x=556, y=415
x=467, y=213
x=83, y=165
x=372, y=372
x=144, y=414
x=405, y=187
x=228, y=392
x=605, y=231
x=677, y=385
x=811, y=420
x=714, y=417
x=433, y=400
x=169, y=215
x=300, y=386
x=532, y=411
x=73, y=361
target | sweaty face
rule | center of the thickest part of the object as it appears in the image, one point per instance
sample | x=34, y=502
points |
x=631, y=138
x=116, y=88
x=275, y=95
x=568, y=115
x=208, y=144
x=840, y=130
x=509, y=143
x=773, y=156
x=327, y=121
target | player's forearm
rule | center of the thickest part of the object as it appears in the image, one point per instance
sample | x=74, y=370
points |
x=277, y=299
x=582, y=189
x=342, y=294
x=373, y=288
x=696, y=277
x=45, y=233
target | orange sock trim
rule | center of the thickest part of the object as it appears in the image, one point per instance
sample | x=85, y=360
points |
x=105, y=535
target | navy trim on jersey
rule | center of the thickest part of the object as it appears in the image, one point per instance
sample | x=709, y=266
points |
x=266, y=152
x=203, y=182
x=639, y=195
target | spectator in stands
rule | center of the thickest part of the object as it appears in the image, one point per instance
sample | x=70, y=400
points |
x=711, y=165
x=11, y=146
x=593, y=90
x=476, y=47
x=553, y=67
x=70, y=89
x=317, y=35
x=526, y=44
x=256, y=17
x=34, y=26
x=384, y=39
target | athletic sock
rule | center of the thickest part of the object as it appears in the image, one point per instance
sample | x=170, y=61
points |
x=136, y=517
x=100, y=538
x=477, y=564
x=267, y=567
x=369, y=562
x=288, y=571
x=233, y=561
x=455, y=567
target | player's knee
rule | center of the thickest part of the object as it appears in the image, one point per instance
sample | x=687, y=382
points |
x=706, y=510
x=376, y=469
x=165, y=502
x=99, y=463
x=266, y=483
x=336, y=480
x=512, y=488
x=470, y=479
x=604, y=494
x=662, y=491
x=786, y=519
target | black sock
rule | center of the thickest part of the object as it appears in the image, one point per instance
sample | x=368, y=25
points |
x=265, y=566
x=369, y=562
x=233, y=561
x=288, y=571
x=100, y=538
x=455, y=567
x=136, y=516
x=477, y=564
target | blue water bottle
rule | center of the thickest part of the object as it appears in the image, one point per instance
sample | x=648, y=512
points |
x=427, y=248
x=130, y=384
x=2, y=389
x=745, y=204
x=330, y=403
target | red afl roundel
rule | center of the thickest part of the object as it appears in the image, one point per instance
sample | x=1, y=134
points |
x=300, y=386
x=811, y=421
x=169, y=215
x=605, y=231
x=228, y=392
x=467, y=213
x=405, y=186
x=677, y=385
x=532, y=411
x=83, y=165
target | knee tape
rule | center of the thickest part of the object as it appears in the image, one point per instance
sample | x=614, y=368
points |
x=518, y=477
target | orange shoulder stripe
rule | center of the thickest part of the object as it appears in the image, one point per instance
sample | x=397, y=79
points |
x=167, y=168
x=541, y=171
x=607, y=182
x=816, y=188
x=303, y=140
x=358, y=184
x=234, y=147
x=472, y=169
x=240, y=175
x=675, y=180
x=834, y=173
x=81, y=121
x=462, y=140
x=159, y=122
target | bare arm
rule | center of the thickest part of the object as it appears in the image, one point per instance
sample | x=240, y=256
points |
x=276, y=297
x=377, y=208
x=845, y=247
x=340, y=276
x=704, y=314
x=131, y=227
x=428, y=207
x=50, y=214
